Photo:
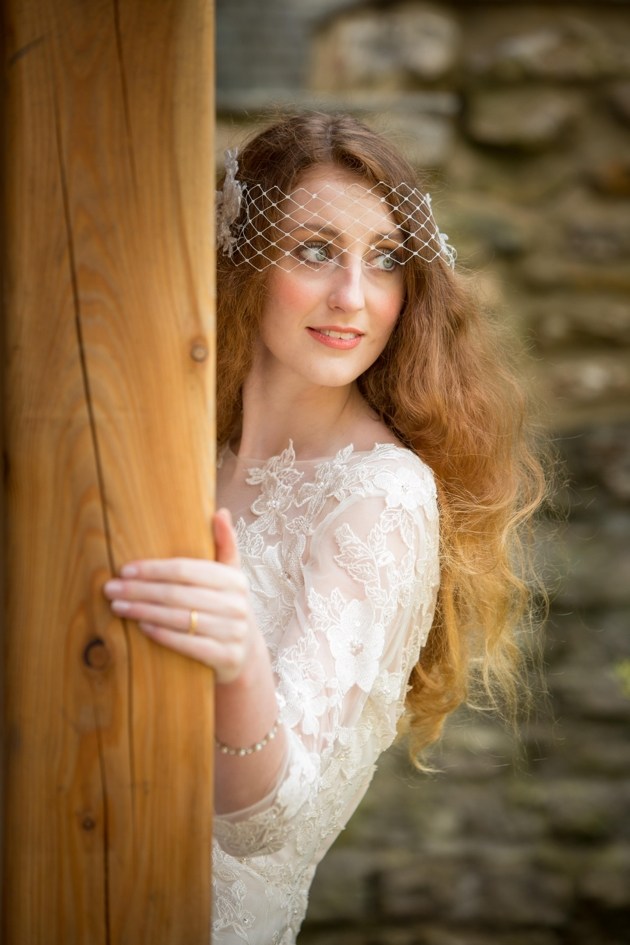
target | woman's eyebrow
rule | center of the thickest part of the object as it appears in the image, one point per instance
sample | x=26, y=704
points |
x=323, y=227
x=313, y=225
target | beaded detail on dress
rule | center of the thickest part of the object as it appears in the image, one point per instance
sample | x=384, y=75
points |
x=341, y=555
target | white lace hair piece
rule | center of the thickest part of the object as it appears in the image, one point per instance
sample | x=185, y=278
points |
x=254, y=224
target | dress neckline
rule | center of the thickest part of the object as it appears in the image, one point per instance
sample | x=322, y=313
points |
x=287, y=455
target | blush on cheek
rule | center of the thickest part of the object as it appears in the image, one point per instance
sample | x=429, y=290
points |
x=391, y=303
x=302, y=295
x=293, y=290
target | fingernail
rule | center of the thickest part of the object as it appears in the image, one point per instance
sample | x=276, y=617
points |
x=120, y=606
x=129, y=570
x=113, y=587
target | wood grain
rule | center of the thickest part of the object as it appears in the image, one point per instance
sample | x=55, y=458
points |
x=108, y=403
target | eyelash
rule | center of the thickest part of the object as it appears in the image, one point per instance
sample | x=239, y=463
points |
x=319, y=246
x=315, y=246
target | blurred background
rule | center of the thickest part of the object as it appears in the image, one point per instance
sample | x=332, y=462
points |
x=519, y=113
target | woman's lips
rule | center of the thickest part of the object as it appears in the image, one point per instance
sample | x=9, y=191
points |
x=333, y=337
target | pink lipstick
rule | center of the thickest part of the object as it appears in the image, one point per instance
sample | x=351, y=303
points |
x=332, y=336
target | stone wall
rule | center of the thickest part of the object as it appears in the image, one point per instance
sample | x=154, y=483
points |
x=520, y=114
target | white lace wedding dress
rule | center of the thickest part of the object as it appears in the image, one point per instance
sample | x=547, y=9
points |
x=342, y=558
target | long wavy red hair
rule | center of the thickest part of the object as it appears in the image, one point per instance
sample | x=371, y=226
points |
x=447, y=388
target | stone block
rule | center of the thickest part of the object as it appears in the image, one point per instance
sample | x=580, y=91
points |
x=521, y=119
x=599, y=459
x=567, y=747
x=346, y=889
x=580, y=811
x=471, y=936
x=547, y=270
x=585, y=379
x=340, y=887
x=611, y=177
x=578, y=692
x=482, y=220
x=475, y=747
x=314, y=933
x=531, y=181
x=425, y=139
x=567, y=47
x=498, y=886
x=619, y=98
x=606, y=879
x=598, y=236
x=594, y=559
x=392, y=48
x=590, y=637
x=574, y=320
x=425, y=38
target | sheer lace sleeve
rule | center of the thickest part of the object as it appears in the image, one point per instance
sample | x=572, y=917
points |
x=350, y=584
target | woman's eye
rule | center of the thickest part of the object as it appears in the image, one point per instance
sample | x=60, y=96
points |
x=314, y=252
x=385, y=262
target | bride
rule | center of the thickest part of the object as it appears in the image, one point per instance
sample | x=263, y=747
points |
x=374, y=460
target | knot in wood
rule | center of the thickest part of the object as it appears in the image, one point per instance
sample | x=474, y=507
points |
x=96, y=654
x=88, y=822
x=199, y=350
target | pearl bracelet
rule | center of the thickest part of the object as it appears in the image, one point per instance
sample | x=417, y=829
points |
x=242, y=752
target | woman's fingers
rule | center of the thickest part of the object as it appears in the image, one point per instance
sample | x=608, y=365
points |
x=179, y=620
x=195, y=572
x=162, y=595
x=227, y=604
x=225, y=659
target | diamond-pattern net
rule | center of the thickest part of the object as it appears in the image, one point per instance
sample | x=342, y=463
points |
x=310, y=227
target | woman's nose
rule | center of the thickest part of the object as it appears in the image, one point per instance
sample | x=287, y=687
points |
x=347, y=292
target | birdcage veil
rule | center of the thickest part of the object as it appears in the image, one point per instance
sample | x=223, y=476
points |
x=255, y=223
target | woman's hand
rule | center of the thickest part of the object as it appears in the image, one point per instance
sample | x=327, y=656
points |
x=164, y=596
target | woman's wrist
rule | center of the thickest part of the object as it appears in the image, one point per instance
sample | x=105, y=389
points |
x=255, y=667
x=246, y=707
x=251, y=749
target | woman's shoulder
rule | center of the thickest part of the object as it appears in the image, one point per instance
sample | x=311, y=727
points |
x=374, y=493
x=384, y=479
x=392, y=468
x=379, y=453
x=390, y=456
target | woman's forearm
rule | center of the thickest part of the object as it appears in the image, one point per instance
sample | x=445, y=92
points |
x=247, y=716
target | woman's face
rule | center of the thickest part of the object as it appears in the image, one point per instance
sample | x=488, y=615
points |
x=336, y=290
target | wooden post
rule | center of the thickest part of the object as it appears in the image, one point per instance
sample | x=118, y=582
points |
x=108, y=387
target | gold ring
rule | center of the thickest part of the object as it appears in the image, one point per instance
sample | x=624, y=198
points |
x=192, y=623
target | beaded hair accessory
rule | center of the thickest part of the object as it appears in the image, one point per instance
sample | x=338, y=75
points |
x=228, y=204
x=255, y=224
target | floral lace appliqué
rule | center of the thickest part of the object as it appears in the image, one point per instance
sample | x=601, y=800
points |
x=341, y=556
